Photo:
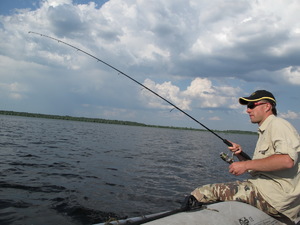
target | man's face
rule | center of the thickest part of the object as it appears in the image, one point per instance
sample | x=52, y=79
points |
x=258, y=111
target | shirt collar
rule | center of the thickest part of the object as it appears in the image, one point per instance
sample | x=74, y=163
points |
x=266, y=123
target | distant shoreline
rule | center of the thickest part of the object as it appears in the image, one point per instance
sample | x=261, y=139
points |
x=106, y=121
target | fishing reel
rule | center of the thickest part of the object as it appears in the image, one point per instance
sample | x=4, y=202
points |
x=227, y=158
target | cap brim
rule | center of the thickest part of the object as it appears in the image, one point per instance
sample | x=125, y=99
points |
x=245, y=101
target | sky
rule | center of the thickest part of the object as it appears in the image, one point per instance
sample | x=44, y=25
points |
x=200, y=55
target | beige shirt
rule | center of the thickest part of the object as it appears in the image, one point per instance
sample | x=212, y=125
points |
x=281, y=188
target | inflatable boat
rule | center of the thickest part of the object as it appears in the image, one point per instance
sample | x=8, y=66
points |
x=221, y=213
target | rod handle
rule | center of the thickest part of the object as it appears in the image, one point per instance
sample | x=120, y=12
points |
x=243, y=154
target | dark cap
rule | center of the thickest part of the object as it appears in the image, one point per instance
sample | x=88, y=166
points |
x=257, y=96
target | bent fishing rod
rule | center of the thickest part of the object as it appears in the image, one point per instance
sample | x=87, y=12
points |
x=134, y=80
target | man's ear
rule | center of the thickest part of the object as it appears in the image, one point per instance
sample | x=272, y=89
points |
x=269, y=107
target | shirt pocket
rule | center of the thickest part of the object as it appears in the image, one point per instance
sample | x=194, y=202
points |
x=264, y=149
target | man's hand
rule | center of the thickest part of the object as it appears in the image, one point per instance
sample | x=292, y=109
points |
x=235, y=148
x=238, y=168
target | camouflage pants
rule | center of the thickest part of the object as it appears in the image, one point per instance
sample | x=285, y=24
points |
x=242, y=191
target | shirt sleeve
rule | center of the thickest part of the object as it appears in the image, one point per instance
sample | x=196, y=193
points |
x=285, y=139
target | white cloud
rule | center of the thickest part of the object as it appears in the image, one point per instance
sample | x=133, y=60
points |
x=200, y=93
x=215, y=118
x=290, y=115
x=14, y=90
x=166, y=90
x=292, y=74
x=55, y=3
x=212, y=96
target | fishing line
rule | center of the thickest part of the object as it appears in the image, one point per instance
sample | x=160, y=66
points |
x=134, y=80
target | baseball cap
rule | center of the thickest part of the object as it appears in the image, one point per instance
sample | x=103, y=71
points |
x=257, y=96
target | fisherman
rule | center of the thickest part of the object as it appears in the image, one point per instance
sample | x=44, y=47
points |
x=274, y=186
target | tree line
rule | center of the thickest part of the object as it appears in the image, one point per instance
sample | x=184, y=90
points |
x=106, y=121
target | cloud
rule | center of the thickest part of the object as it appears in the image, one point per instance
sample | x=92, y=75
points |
x=168, y=91
x=216, y=118
x=188, y=38
x=64, y=19
x=200, y=93
x=290, y=115
x=208, y=95
x=14, y=90
x=200, y=55
x=292, y=74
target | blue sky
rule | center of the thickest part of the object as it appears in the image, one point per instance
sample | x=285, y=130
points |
x=200, y=55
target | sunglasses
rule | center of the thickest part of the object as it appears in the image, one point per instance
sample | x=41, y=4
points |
x=252, y=105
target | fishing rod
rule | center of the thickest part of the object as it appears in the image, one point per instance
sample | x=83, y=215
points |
x=190, y=203
x=134, y=80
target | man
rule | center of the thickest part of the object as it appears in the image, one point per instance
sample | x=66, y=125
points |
x=275, y=168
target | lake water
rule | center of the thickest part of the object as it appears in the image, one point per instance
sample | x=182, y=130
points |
x=66, y=172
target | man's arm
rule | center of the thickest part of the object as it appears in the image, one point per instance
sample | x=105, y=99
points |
x=271, y=163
